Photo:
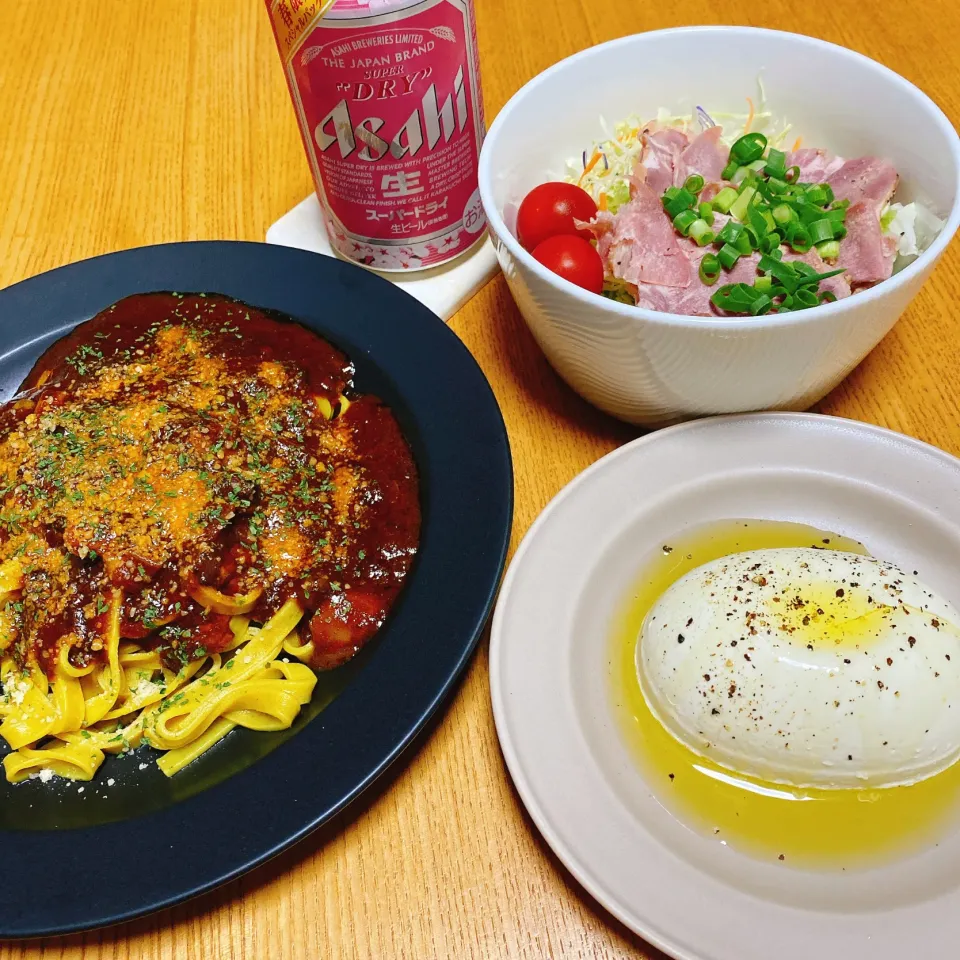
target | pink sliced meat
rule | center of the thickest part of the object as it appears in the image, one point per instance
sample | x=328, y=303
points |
x=660, y=156
x=865, y=253
x=815, y=165
x=694, y=301
x=705, y=155
x=864, y=179
x=839, y=285
x=639, y=243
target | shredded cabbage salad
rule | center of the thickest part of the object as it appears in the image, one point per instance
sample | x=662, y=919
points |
x=604, y=171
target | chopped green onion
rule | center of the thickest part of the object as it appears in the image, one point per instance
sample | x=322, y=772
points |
x=710, y=269
x=761, y=305
x=746, y=243
x=777, y=186
x=683, y=200
x=706, y=211
x=770, y=243
x=725, y=199
x=730, y=232
x=671, y=192
x=684, y=220
x=748, y=148
x=828, y=296
x=839, y=231
x=792, y=175
x=735, y=297
x=728, y=256
x=799, y=237
x=806, y=298
x=729, y=170
x=817, y=277
x=758, y=225
x=769, y=260
x=776, y=164
x=783, y=213
x=739, y=209
x=693, y=183
x=741, y=176
x=829, y=249
x=700, y=231
x=763, y=284
x=757, y=166
x=816, y=194
x=829, y=192
x=821, y=230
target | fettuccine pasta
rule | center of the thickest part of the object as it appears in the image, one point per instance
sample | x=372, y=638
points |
x=196, y=514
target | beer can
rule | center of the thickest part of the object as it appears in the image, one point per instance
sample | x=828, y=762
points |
x=387, y=96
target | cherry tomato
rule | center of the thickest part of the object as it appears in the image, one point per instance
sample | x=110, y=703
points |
x=573, y=259
x=549, y=211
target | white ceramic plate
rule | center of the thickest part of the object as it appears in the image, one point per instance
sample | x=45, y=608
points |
x=687, y=894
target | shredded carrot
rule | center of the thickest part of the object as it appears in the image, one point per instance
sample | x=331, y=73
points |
x=746, y=126
x=796, y=144
x=593, y=162
x=603, y=201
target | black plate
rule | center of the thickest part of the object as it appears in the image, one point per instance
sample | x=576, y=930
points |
x=133, y=841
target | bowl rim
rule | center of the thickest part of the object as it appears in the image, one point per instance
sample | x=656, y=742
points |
x=825, y=313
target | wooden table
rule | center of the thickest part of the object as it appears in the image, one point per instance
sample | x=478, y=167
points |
x=126, y=123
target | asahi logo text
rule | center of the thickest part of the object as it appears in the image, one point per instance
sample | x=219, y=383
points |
x=426, y=124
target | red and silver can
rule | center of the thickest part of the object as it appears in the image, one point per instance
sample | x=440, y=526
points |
x=387, y=95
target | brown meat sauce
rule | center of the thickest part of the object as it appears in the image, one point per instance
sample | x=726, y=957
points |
x=177, y=441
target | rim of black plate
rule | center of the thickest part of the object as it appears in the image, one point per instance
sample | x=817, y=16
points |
x=59, y=881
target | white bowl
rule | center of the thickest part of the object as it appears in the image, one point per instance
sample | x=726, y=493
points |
x=655, y=368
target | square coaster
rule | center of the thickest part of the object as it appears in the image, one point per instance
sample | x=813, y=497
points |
x=444, y=289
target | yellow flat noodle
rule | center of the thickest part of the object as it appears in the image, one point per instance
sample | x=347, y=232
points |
x=68, y=700
x=175, y=760
x=129, y=653
x=272, y=700
x=112, y=740
x=231, y=606
x=169, y=685
x=32, y=719
x=185, y=716
x=65, y=667
x=73, y=761
x=293, y=646
x=111, y=678
x=239, y=626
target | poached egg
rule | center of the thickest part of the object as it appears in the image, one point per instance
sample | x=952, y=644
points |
x=806, y=667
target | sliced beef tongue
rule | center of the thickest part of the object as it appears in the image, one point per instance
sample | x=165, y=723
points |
x=660, y=157
x=865, y=253
x=640, y=245
x=864, y=179
x=868, y=183
x=839, y=285
x=815, y=165
x=705, y=155
x=694, y=301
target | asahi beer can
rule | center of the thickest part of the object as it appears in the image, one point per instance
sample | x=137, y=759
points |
x=387, y=95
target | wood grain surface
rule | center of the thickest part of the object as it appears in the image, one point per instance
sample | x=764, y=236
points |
x=125, y=123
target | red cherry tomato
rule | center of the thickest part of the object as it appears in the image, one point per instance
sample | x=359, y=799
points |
x=549, y=211
x=573, y=259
